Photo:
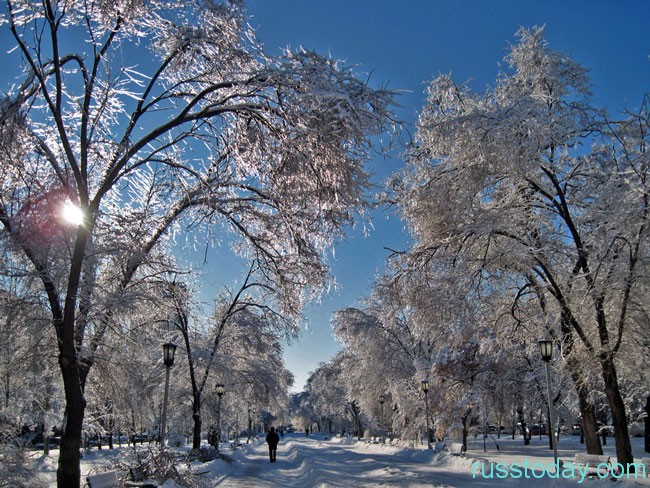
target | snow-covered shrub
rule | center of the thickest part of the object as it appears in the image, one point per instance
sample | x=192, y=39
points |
x=15, y=469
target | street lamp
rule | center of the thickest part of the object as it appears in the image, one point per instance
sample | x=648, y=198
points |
x=169, y=350
x=425, y=389
x=220, y=390
x=546, y=350
x=381, y=417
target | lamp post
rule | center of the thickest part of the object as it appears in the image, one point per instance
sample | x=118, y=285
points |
x=250, y=422
x=425, y=389
x=546, y=350
x=169, y=350
x=219, y=389
x=381, y=416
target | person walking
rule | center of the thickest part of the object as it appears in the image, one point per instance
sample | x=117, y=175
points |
x=272, y=439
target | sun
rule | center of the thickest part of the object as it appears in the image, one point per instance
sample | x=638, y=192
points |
x=72, y=214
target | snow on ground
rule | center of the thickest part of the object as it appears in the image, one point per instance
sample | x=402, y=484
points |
x=322, y=462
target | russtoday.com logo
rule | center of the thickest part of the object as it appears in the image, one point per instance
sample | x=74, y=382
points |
x=556, y=470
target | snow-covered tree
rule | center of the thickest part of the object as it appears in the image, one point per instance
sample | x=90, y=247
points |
x=29, y=387
x=504, y=180
x=425, y=322
x=134, y=117
x=249, y=357
x=328, y=393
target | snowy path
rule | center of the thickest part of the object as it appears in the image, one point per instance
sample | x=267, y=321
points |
x=308, y=461
x=316, y=462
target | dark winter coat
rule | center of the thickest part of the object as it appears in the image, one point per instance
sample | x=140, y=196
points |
x=272, y=439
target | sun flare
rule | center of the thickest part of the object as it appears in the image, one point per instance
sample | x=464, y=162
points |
x=72, y=214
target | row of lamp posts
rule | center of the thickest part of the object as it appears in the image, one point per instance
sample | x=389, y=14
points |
x=252, y=415
x=169, y=351
x=425, y=388
x=546, y=351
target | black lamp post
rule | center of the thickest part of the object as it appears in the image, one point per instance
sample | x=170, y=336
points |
x=169, y=351
x=250, y=422
x=425, y=389
x=546, y=350
x=381, y=417
x=220, y=390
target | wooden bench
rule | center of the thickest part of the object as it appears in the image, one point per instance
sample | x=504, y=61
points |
x=108, y=479
x=138, y=479
x=595, y=464
x=456, y=449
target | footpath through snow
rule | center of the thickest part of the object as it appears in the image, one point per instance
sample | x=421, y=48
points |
x=317, y=462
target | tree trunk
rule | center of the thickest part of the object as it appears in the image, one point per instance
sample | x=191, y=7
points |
x=73, y=371
x=617, y=406
x=196, y=434
x=464, y=421
x=46, y=410
x=356, y=415
x=522, y=422
x=588, y=426
x=69, y=471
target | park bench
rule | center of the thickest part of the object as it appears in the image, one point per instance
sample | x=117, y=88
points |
x=111, y=479
x=456, y=449
x=595, y=464
x=138, y=479
x=108, y=479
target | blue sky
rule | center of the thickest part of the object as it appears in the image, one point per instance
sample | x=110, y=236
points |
x=405, y=43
